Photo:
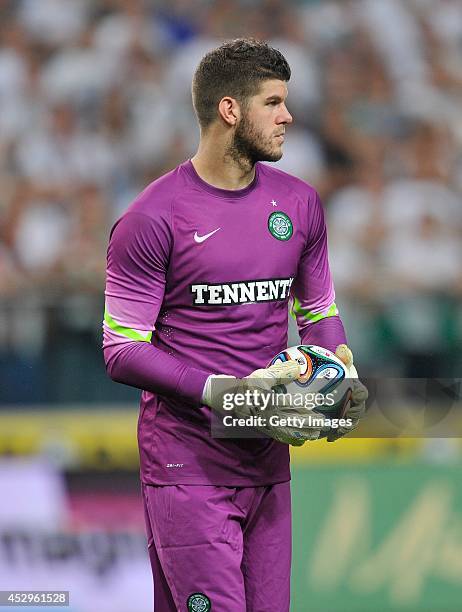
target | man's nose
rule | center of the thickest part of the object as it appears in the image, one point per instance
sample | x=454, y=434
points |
x=286, y=117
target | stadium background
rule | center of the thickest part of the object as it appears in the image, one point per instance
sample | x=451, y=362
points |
x=94, y=104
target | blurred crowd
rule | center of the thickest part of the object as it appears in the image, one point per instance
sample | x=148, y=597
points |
x=95, y=103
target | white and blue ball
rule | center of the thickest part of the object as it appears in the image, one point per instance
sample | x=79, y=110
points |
x=322, y=372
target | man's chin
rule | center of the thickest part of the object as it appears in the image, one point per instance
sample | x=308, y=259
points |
x=270, y=154
x=272, y=157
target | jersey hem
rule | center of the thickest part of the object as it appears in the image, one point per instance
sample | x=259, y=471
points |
x=193, y=480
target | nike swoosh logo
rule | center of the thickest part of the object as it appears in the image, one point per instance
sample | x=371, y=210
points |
x=200, y=239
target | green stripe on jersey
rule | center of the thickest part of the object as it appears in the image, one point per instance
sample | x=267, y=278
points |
x=133, y=334
x=311, y=316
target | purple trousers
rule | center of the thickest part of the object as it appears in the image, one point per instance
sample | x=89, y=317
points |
x=223, y=549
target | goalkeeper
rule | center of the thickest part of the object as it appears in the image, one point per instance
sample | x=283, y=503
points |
x=201, y=271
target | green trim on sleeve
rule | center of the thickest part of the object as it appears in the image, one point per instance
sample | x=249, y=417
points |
x=133, y=334
x=312, y=317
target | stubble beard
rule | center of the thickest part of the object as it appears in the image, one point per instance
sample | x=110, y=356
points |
x=248, y=146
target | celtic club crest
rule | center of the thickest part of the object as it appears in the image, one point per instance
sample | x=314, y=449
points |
x=198, y=602
x=280, y=225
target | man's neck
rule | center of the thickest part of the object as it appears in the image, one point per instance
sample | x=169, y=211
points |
x=217, y=168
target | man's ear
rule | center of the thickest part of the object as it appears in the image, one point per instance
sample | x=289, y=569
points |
x=229, y=110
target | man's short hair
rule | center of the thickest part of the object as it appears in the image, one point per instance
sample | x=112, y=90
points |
x=236, y=69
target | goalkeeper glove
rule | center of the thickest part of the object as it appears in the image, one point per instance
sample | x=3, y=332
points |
x=262, y=381
x=359, y=395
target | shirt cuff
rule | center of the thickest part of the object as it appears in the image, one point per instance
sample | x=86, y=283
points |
x=192, y=383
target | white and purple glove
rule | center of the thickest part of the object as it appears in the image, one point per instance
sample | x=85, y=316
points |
x=262, y=381
x=359, y=395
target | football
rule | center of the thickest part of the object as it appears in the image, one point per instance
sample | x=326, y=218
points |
x=324, y=379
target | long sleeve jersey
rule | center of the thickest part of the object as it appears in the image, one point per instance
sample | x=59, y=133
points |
x=199, y=280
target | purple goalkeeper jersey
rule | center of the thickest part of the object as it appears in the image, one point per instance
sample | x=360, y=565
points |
x=199, y=280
